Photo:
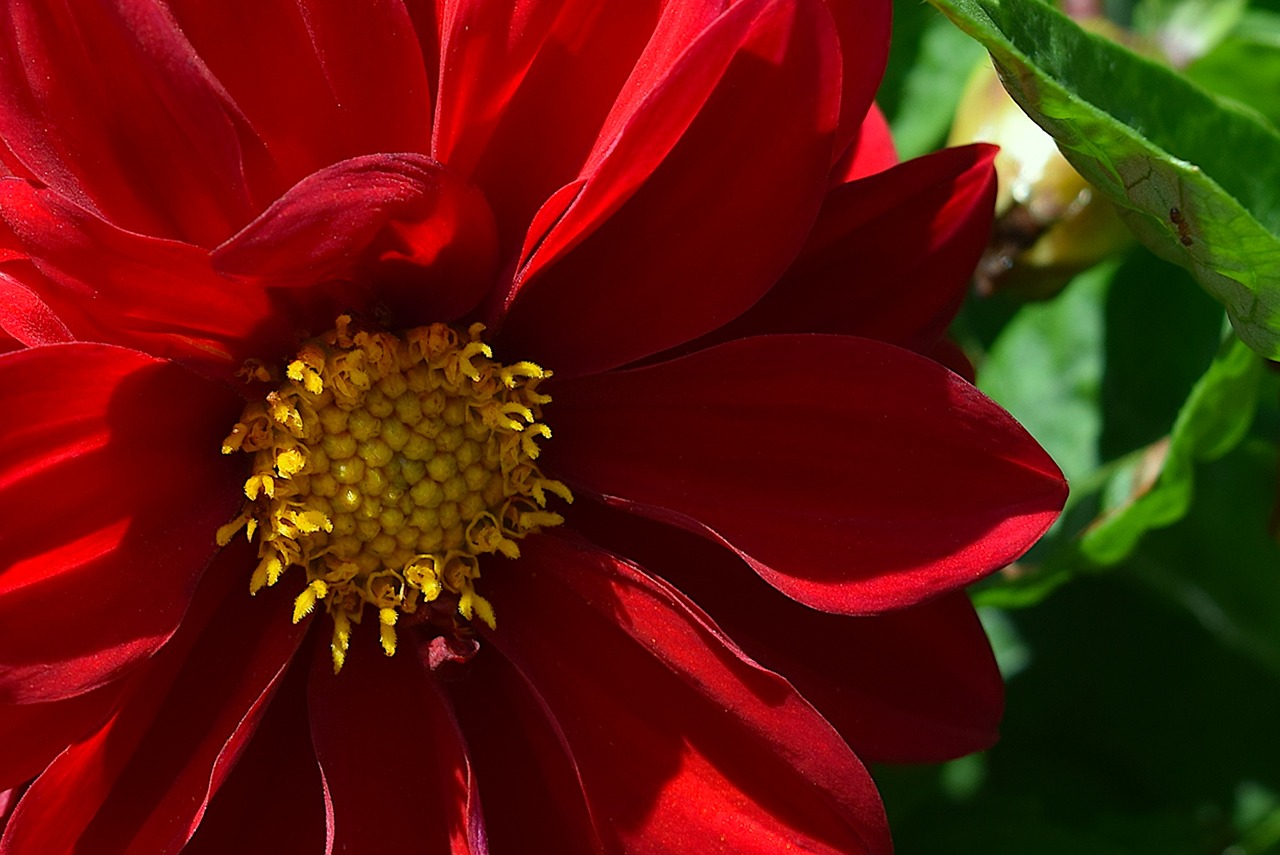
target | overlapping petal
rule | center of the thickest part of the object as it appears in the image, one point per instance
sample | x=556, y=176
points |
x=142, y=782
x=479, y=77
x=26, y=317
x=47, y=729
x=513, y=737
x=918, y=685
x=864, y=50
x=519, y=112
x=104, y=536
x=8, y=801
x=425, y=235
x=612, y=280
x=319, y=82
x=852, y=475
x=395, y=770
x=122, y=118
x=701, y=743
x=273, y=800
x=109, y=285
x=873, y=150
x=890, y=256
x=914, y=685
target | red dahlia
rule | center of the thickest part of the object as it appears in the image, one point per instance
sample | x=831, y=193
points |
x=559, y=373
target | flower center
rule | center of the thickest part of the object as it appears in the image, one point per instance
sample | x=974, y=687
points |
x=384, y=466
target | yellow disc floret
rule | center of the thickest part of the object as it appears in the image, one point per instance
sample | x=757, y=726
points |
x=384, y=466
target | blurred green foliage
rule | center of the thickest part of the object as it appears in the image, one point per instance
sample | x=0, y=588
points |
x=1195, y=176
x=1141, y=639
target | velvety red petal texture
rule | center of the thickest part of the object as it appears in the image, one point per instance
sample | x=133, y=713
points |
x=519, y=111
x=513, y=738
x=27, y=318
x=395, y=771
x=864, y=50
x=48, y=728
x=613, y=281
x=273, y=800
x=142, y=782
x=111, y=489
x=480, y=76
x=917, y=685
x=890, y=256
x=854, y=476
x=123, y=118
x=109, y=285
x=682, y=742
x=319, y=82
x=426, y=236
x=679, y=29
x=8, y=801
x=872, y=150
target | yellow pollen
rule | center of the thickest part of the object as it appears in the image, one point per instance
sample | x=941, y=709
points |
x=384, y=466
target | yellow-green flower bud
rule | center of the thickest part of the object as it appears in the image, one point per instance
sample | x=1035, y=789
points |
x=1050, y=223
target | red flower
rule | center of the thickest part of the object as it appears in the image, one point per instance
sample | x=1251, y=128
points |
x=663, y=205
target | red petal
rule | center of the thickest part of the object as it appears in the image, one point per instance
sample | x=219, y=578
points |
x=109, y=105
x=926, y=688
x=273, y=801
x=114, y=286
x=527, y=775
x=111, y=489
x=319, y=82
x=486, y=49
x=142, y=783
x=425, y=235
x=677, y=27
x=949, y=354
x=684, y=745
x=852, y=475
x=864, y=50
x=37, y=733
x=918, y=685
x=396, y=773
x=872, y=150
x=521, y=107
x=8, y=801
x=890, y=257
x=28, y=318
x=697, y=204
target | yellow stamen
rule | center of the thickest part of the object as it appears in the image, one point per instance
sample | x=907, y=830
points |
x=384, y=466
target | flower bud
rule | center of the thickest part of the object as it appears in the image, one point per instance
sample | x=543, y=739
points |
x=1050, y=223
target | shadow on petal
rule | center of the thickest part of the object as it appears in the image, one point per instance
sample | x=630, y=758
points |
x=111, y=491
x=678, y=737
x=854, y=476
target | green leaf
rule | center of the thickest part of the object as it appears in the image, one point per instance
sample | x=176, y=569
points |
x=1130, y=730
x=1196, y=177
x=1156, y=488
x=1046, y=368
x=1156, y=315
x=1186, y=29
x=1253, y=45
x=1220, y=562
